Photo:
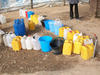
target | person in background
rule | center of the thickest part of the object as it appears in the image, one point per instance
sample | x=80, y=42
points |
x=74, y=3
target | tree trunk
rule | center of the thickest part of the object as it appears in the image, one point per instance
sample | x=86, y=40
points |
x=64, y=2
x=31, y=4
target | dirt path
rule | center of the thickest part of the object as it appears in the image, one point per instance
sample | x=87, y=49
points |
x=41, y=63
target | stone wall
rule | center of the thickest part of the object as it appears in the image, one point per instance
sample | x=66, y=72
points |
x=95, y=8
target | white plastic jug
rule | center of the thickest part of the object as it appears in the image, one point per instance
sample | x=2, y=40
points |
x=23, y=43
x=65, y=32
x=2, y=19
x=76, y=36
x=9, y=38
x=35, y=42
x=22, y=12
x=88, y=41
x=29, y=43
x=40, y=18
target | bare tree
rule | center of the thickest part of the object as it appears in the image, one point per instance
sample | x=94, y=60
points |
x=31, y=4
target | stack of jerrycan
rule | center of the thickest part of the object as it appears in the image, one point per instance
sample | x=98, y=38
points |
x=78, y=41
x=31, y=25
x=7, y=38
x=34, y=18
x=67, y=47
x=19, y=27
x=16, y=43
x=61, y=31
x=87, y=49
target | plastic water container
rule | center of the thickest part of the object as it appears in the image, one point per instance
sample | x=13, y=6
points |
x=45, y=43
x=61, y=31
x=76, y=36
x=35, y=42
x=31, y=25
x=58, y=24
x=26, y=14
x=46, y=23
x=67, y=47
x=22, y=12
x=51, y=25
x=23, y=42
x=9, y=38
x=29, y=43
x=34, y=18
x=2, y=19
x=87, y=51
x=40, y=18
x=16, y=43
x=29, y=14
x=19, y=27
x=65, y=32
x=88, y=41
x=77, y=46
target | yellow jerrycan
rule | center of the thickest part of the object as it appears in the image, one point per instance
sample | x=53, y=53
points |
x=91, y=50
x=61, y=31
x=87, y=51
x=16, y=44
x=70, y=34
x=34, y=18
x=67, y=47
x=31, y=25
x=77, y=46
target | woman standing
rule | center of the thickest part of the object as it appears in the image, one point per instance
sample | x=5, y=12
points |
x=74, y=3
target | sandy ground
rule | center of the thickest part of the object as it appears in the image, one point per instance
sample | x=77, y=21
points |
x=39, y=63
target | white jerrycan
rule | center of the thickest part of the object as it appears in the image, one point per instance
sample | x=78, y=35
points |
x=5, y=40
x=76, y=36
x=2, y=19
x=65, y=32
x=29, y=43
x=9, y=38
x=40, y=18
x=35, y=42
x=88, y=41
x=23, y=43
x=20, y=12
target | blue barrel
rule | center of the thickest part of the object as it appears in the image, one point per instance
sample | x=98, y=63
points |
x=45, y=43
x=51, y=25
x=30, y=13
x=46, y=23
x=19, y=27
x=57, y=29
